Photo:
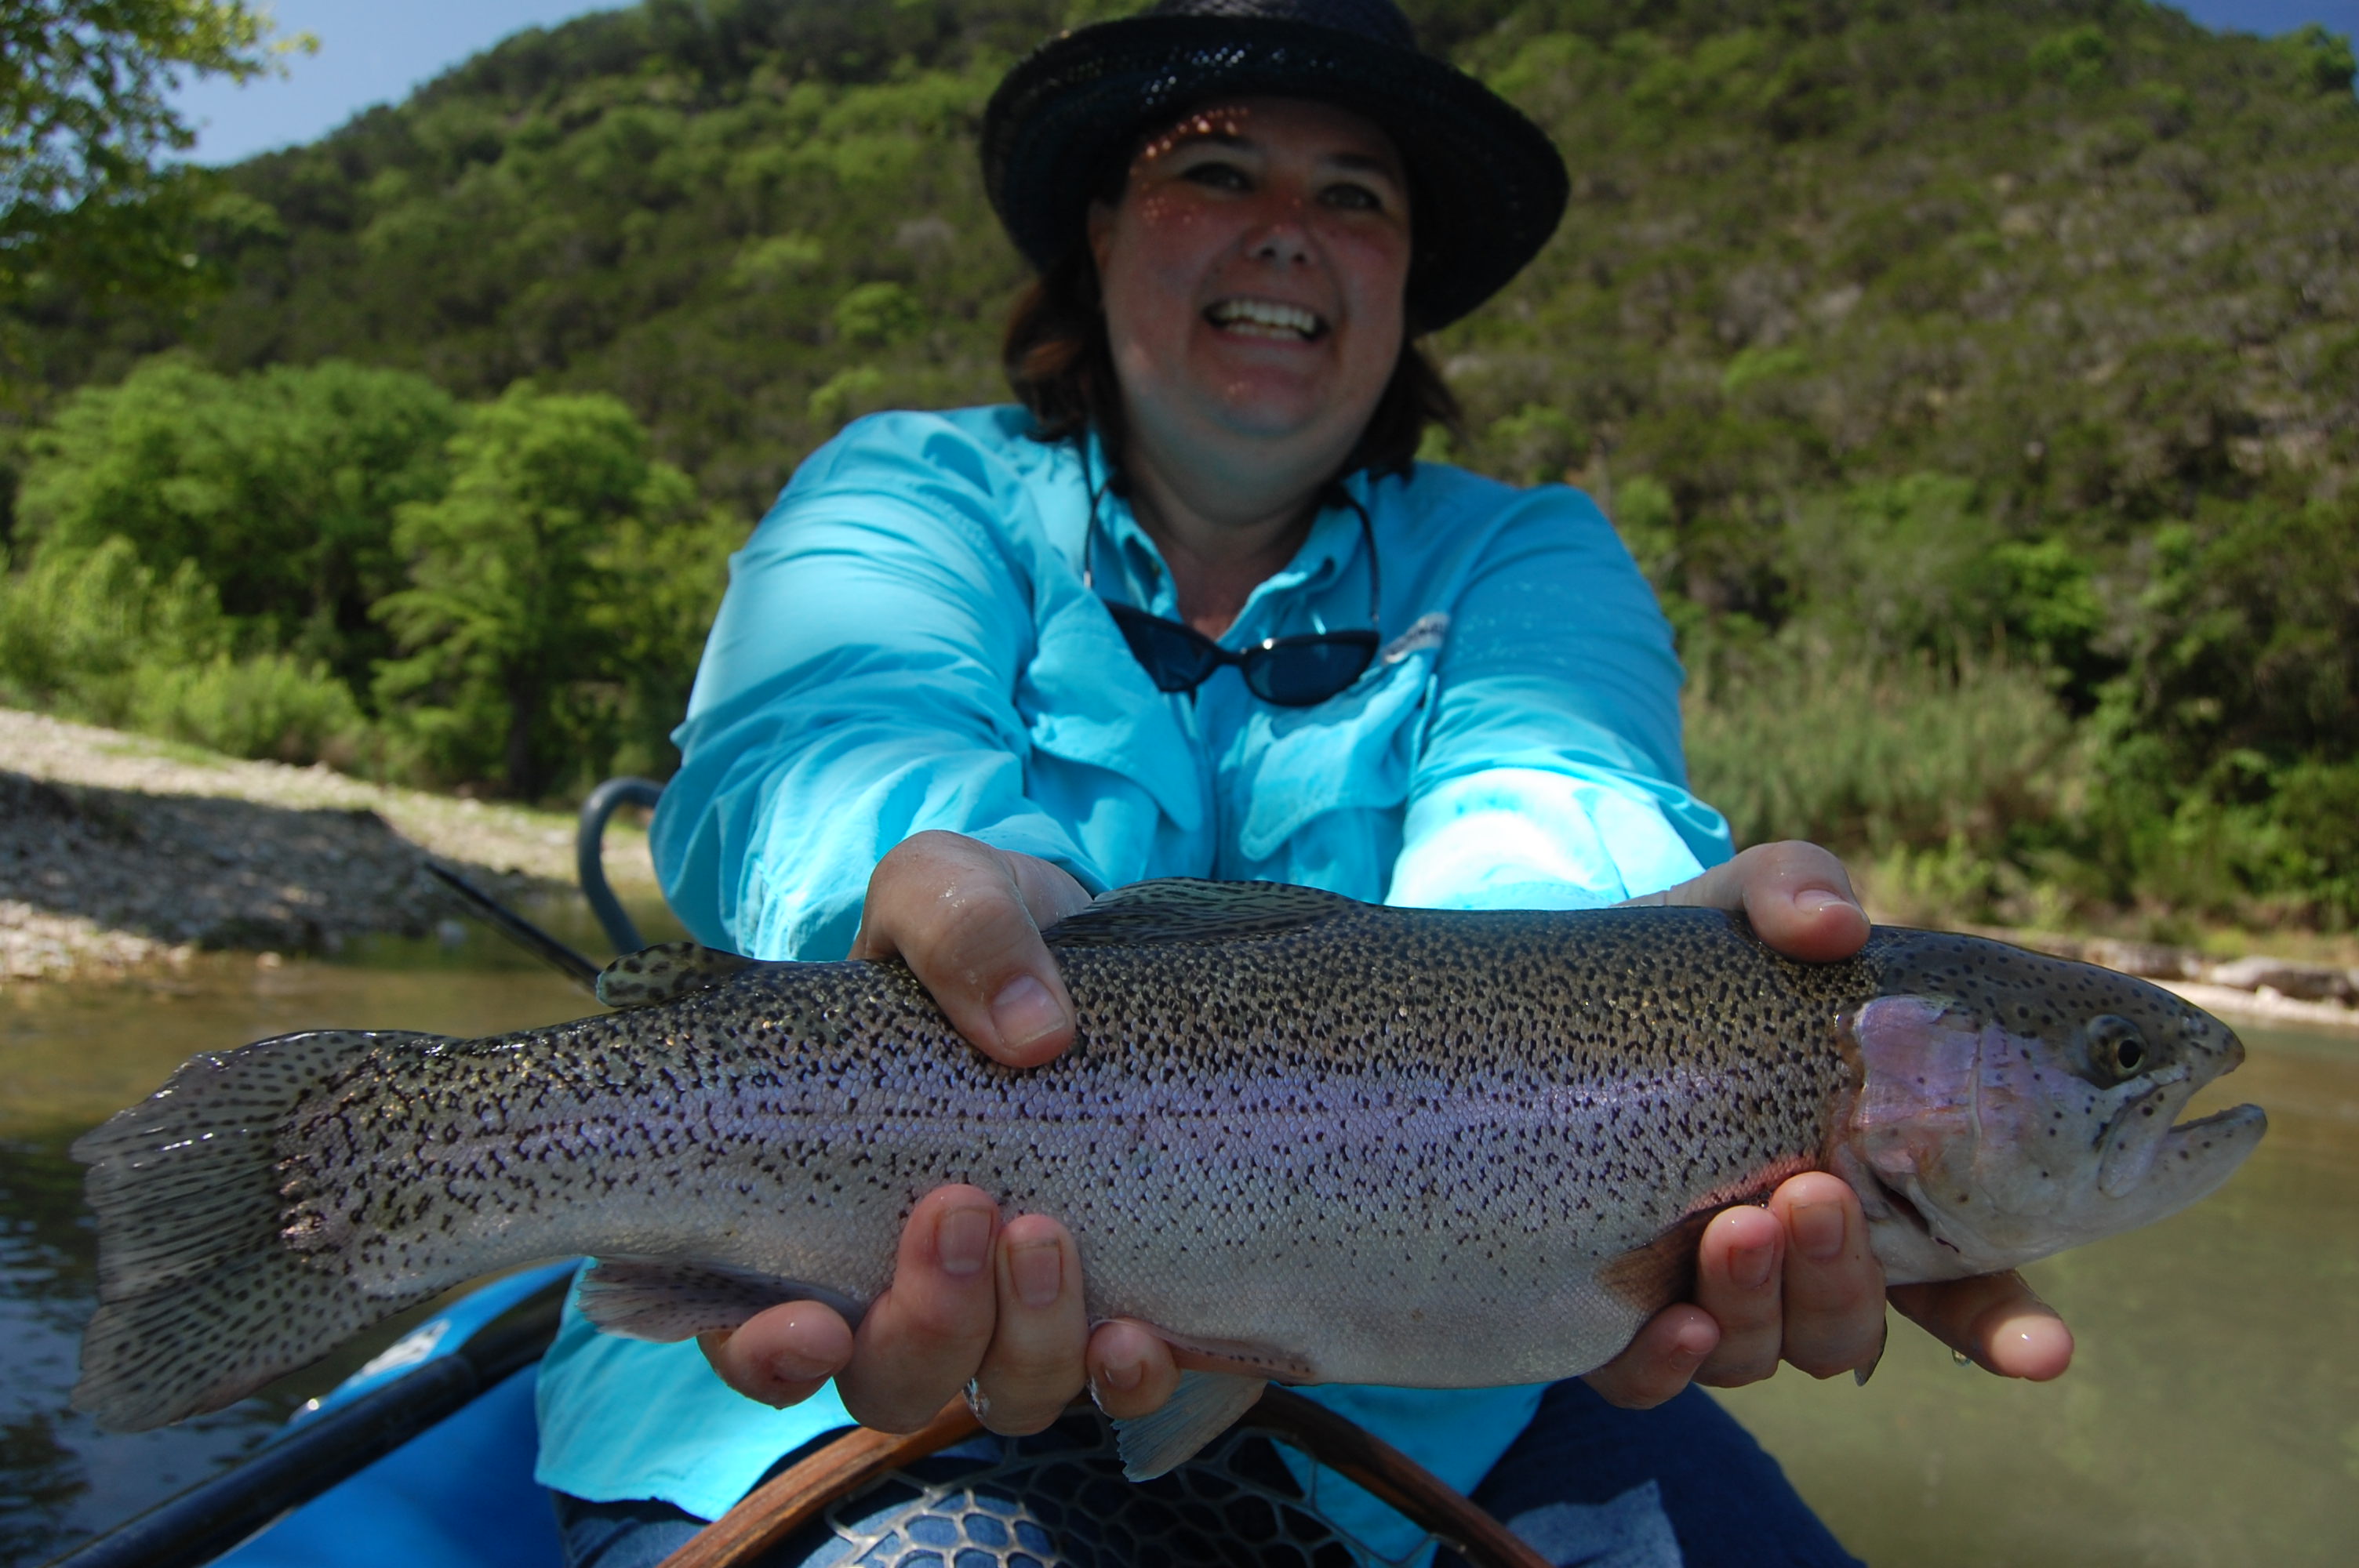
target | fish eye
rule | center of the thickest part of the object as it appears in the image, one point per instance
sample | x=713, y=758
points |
x=2113, y=1050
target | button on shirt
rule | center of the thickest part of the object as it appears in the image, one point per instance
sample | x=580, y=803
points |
x=908, y=643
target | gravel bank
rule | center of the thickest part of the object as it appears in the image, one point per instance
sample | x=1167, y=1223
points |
x=119, y=852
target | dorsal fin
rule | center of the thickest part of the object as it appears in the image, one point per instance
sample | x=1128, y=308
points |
x=1184, y=909
x=664, y=973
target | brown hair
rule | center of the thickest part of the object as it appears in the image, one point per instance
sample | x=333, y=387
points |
x=1060, y=364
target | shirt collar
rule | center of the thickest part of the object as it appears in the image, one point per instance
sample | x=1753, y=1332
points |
x=1126, y=561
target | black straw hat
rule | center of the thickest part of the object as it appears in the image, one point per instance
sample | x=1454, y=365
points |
x=1487, y=185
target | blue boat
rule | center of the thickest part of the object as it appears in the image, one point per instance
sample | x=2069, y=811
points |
x=424, y=1456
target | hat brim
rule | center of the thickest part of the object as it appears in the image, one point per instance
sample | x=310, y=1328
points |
x=1488, y=187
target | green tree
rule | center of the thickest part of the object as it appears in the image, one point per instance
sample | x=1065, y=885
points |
x=557, y=595
x=277, y=488
x=2229, y=782
x=86, y=121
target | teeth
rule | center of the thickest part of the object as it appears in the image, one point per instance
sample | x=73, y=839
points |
x=1289, y=319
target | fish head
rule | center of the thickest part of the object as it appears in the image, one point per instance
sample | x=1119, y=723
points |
x=2012, y=1105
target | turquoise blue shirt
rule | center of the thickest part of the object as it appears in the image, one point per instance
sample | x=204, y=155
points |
x=908, y=643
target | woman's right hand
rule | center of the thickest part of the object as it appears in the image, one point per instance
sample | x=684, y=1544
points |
x=972, y=1298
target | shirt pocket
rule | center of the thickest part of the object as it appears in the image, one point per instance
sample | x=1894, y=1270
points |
x=1083, y=699
x=1353, y=752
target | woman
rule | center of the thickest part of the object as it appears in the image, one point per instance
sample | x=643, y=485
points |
x=1195, y=611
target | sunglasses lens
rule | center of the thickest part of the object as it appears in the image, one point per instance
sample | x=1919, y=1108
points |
x=1176, y=657
x=1296, y=672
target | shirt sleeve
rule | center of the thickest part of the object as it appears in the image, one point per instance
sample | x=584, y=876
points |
x=1552, y=774
x=856, y=688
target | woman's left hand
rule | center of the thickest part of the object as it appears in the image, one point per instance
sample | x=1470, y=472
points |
x=1795, y=1281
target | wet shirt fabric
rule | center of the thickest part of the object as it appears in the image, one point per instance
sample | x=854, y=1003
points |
x=909, y=642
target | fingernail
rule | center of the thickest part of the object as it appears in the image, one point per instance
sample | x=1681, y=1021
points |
x=786, y=1366
x=1819, y=1230
x=1749, y=1266
x=1038, y=1268
x=1860, y=1375
x=1023, y=1011
x=1124, y=1373
x=1694, y=1343
x=1810, y=901
x=962, y=1241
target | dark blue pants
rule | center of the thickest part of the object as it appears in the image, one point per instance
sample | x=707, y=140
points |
x=1592, y=1485
x=1680, y=1487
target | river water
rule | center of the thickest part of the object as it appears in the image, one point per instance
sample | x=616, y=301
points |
x=2212, y=1417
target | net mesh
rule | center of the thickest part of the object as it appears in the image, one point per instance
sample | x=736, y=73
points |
x=1058, y=1499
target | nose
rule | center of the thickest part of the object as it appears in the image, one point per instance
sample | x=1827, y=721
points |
x=1283, y=242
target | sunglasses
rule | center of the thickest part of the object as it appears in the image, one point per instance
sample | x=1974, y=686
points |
x=1288, y=671
x=1292, y=672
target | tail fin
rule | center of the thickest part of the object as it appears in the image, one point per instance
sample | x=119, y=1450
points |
x=201, y=1300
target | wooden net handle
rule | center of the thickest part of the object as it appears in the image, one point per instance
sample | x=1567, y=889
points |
x=1423, y=1498
x=783, y=1504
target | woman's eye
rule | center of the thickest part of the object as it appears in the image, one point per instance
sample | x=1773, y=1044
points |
x=1219, y=176
x=1353, y=199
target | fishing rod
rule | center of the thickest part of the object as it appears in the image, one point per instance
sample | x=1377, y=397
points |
x=517, y=929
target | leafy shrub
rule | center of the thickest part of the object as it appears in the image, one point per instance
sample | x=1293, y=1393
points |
x=2321, y=60
x=76, y=626
x=269, y=705
x=1536, y=445
x=2078, y=57
x=878, y=314
x=1973, y=763
x=98, y=636
x=848, y=393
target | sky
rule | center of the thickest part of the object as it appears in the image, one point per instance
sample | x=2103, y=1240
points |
x=371, y=52
x=374, y=51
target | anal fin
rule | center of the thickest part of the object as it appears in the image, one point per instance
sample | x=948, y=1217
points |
x=1205, y=1405
x=665, y=1299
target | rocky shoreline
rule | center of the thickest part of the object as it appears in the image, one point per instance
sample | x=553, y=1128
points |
x=121, y=854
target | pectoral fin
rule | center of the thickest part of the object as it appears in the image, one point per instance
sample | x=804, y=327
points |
x=1652, y=1277
x=665, y=1300
x=1205, y=1405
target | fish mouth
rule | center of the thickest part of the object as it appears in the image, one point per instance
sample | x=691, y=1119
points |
x=2238, y=1126
x=2184, y=1159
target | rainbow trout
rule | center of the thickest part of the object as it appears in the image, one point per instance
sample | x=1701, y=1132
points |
x=1296, y=1134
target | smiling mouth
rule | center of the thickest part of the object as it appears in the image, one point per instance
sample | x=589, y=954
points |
x=1266, y=319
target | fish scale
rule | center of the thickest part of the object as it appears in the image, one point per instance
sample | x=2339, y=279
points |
x=1295, y=1133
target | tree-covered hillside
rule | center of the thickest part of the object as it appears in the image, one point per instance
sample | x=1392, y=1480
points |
x=1978, y=379
x=1808, y=240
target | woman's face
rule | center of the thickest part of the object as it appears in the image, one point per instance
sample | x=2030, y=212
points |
x=1253, y=273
